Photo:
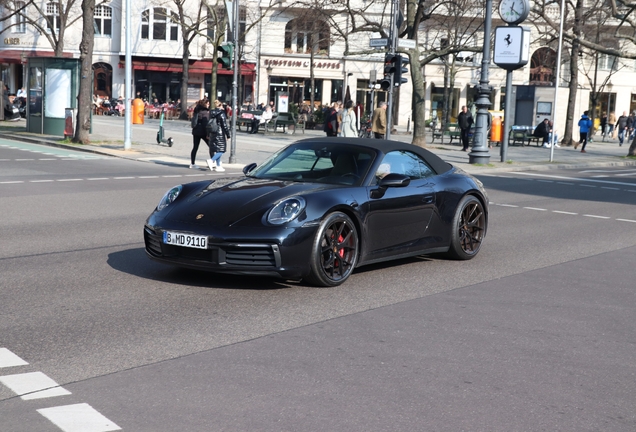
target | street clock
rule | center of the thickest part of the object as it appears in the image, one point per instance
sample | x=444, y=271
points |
x=514, y=11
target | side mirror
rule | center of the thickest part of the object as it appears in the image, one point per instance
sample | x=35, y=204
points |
x=394, y=180
x=249, y=168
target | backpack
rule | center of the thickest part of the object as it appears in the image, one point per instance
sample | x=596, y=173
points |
x=199, y=122
x=213, y=126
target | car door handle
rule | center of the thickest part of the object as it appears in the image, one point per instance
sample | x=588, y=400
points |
x=427, y=199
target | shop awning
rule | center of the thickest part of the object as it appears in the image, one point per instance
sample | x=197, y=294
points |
x=174, y=65
x=20, y=55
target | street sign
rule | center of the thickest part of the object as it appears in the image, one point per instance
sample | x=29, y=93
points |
x=406, y=43
x=378, y=42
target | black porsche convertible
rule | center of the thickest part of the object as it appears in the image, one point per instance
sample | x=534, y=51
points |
x=319, y=208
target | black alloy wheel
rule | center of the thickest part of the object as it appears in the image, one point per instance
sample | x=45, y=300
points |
x=335, y=251
x=469, y=229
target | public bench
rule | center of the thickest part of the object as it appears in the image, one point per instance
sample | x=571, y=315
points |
x=284, y=120
x=245, y=118
x=451, y=131
x=522, y=134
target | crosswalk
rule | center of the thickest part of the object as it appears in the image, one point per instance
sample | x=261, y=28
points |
x=35, y=385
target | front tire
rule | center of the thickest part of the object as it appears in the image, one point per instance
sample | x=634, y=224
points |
x=469, y=229
x=335, y=251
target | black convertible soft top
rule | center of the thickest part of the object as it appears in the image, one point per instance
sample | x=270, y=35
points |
x=384, y=146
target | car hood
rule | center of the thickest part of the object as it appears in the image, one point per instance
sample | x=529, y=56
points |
x=225, y=202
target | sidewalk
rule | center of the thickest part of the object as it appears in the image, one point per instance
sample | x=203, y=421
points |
x=108, y=138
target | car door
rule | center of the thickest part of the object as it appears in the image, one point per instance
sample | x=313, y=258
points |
x=399, y=217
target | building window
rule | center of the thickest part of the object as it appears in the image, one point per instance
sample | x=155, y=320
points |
x=218, y=16
x=302, y=36
x=103, y=21
x=607, y=62
x=53, y=17
x=18, y=21
x=164, y=24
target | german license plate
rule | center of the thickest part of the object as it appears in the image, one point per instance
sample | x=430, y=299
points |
x=185, y=240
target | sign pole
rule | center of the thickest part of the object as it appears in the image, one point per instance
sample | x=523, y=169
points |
x=235, y=82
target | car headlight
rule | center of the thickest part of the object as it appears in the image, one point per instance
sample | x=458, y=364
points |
x=169, y=197
x=286, y=210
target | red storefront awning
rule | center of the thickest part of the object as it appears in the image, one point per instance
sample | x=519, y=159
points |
x=20, y=55
x=173, y=65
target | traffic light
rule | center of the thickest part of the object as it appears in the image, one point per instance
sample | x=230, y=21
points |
x=389, y=70
x=400, y=69
x=225, y=55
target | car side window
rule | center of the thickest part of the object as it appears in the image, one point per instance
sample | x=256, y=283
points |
x=405, y=163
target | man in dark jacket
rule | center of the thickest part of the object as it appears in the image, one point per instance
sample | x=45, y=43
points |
x=543, y=131
x=623, y=128
x=464, y=121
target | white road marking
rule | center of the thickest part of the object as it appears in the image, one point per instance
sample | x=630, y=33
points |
x=123, y=178
x=22, y=160
x=174, y=175
x=545, y=181
x=564, y=212
x=69, y=180
x=535, y=208
x=610, y=188
x=508, y=205
x=566, y=183
x=574, y=179
x=596, y=216
x=147, y=177
x=98, y=178
x=33, y=385
x=47, y=159
x=41, y=181
x=8, y=359
x=78, y=418
x=11, y=182
x=626, y=220
x=590, y=186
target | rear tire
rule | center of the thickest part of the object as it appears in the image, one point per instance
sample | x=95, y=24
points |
x=335, y=251
x=469, y=229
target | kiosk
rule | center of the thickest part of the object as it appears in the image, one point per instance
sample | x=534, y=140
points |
x=52, y=89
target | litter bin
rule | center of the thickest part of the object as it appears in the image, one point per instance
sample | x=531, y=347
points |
x=138, y=111
x=495, y=130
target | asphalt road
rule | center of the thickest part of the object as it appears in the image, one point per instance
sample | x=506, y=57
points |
x=536, y=333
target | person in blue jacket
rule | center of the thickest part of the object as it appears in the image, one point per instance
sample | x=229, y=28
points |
x=585, y=126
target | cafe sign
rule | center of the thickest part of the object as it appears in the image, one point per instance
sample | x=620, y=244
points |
x=301, y=64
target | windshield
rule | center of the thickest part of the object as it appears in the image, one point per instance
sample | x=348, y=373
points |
x=330, y=163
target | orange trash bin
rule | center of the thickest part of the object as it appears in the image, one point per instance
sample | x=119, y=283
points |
x=138, y=111
x=495, y=129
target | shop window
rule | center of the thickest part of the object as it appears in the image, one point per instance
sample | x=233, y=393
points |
x=303, y=36
x=103, y=20
x=53, y=17
x=18, y=20
x=163, y=22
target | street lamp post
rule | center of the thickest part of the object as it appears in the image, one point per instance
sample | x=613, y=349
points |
x=479, y=153
x=609, y=96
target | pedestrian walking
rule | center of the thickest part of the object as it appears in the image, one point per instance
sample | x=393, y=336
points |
x=349, y=127
x=603, y=125
x=331, y=121
x=611, y=121
x=218, y=139
x=200, y=117
x=464, y=121
x=585, y=125
x=622, y=127
x=378, y=122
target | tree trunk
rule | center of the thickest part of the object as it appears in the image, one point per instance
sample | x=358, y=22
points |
x=84, y=99
x=418, y=100
x=632, y=148
x=574, y=74
x=184, y=82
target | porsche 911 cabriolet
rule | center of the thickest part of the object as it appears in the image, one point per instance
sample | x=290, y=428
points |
x=319, y=208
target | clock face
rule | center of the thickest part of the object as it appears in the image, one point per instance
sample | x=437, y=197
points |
x=514, y=11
